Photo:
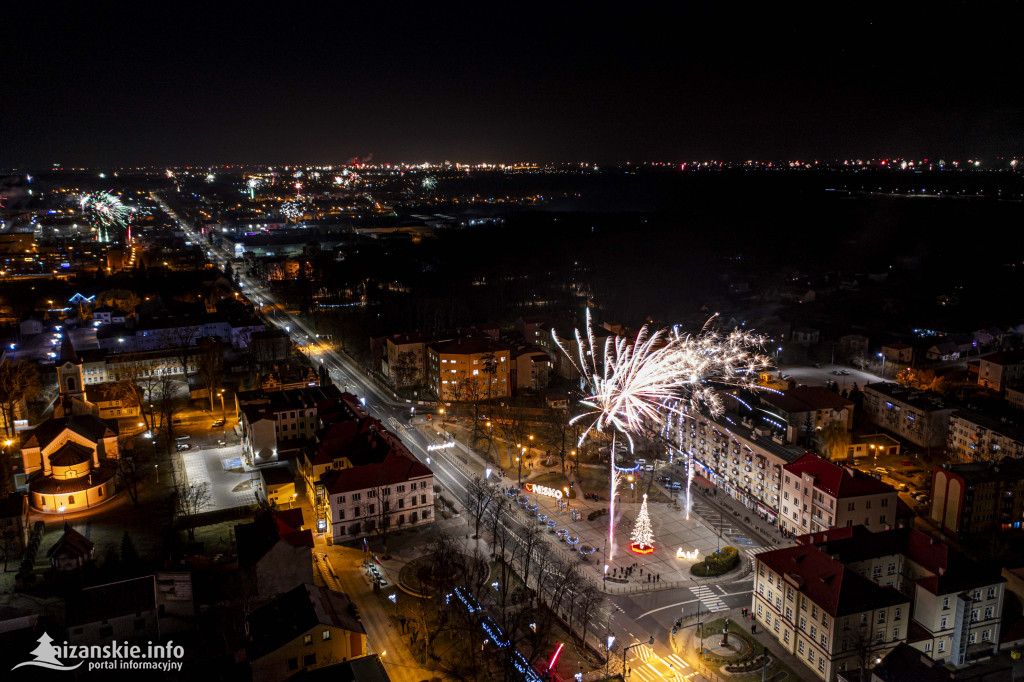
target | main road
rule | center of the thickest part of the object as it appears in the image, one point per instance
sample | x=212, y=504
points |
x=632, y=618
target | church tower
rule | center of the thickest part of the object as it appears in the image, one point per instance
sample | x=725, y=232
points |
x=70, y=379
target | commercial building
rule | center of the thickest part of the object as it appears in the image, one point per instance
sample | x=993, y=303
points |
x=921, y=417
x=977, y=498
x=276, y=420
x=818, y=494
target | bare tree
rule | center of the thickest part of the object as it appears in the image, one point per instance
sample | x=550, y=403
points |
x=182, y=341
x=210, y=364
x=130, y=381
x=405, y=370
x=127, y=471
x=834, y=440
x=19, y=381
x=559, y=418
x=169, y=404
x=473, y=394
x=480, y=495
x=380, y=509
x=189, y=500
x=489, y=369
x=510, y=426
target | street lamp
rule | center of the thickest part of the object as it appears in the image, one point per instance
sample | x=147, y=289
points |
x=223, y=412
x=65, y=516
x=882, y=355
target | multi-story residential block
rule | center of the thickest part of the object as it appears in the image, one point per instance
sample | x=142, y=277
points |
x=805, y=408
x=135, y=364
x=996, y=370
x=531, y=368
x=405, y=358
x=818, y=494
x=978, y=498
x=827, y=615
x=974, y=437
x=744, y=462
x=957, y=602
x=451, y=365
x=922, y=417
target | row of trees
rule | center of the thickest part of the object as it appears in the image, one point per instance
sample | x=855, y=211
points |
x=537, y=582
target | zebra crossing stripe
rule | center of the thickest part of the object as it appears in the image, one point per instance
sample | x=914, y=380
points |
x=677, y=661
x=708, y=598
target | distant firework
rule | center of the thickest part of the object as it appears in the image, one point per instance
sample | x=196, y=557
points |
x=429, y=182
x=293, y=209
x=104, y=209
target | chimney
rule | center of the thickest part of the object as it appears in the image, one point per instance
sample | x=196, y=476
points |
x=942, y=570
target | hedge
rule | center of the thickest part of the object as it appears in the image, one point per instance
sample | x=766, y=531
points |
x=717, y=563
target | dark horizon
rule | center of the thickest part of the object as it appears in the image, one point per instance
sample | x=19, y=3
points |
x=540, y=84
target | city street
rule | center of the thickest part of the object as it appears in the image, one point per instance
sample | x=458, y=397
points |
x=638, y=610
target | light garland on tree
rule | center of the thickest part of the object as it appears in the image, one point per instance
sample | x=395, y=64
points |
x=643, y=535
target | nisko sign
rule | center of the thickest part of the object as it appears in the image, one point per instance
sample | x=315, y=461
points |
x=544, y=490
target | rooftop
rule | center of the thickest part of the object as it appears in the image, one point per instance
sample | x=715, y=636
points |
x=925, y=401
x=838, y=590
x=394, y=468
x=294, y=613
x=111, y=600
x=806, y=399
x=836, y=481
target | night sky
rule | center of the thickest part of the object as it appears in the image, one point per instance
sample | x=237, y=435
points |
x=101, y=84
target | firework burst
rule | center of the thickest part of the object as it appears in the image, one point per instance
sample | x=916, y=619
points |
x=293, y=209
x=104, y=209
x=429, y=182
x=634, y=386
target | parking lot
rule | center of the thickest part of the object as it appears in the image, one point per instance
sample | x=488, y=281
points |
x=213, y=454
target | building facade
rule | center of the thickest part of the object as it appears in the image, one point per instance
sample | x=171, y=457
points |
x=973, y=437
x=921, y=417
x=460, y=367
x=978, y=498
x=818, y=494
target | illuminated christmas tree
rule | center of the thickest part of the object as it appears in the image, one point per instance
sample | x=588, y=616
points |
x=643, y=536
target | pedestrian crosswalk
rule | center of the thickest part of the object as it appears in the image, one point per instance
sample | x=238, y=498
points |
x=711, y=601
x=752, y=552
x=648, y=666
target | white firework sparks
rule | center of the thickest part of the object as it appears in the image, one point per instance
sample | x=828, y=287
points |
x=429, y=182
x=633, y=386
x=104, y=209
x=293, y=209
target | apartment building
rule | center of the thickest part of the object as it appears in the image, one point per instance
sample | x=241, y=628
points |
x=974, y=437
x=745, y=462
x=451, y=365
x=818, y=494
x=824, y=613
x=957, y=603
x=405, y=358
x=921, y=417
x=996, y=370
x=976, y=498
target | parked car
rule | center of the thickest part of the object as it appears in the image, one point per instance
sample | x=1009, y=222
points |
x=218, y=423
x=184, y=446
x=845, y=372
x=817, y=365
x=882, y=470
x=676, y=485
x=903, y=488
x=185, y=437
x=641, y=462
x=649, y=467
x=906, y=463
x=177, y=421
x=836, y=372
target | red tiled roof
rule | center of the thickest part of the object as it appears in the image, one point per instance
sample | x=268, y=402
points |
x=289, y=520
x=838, y=590
x=73, y=542
x=835, y=480
x=395, y=468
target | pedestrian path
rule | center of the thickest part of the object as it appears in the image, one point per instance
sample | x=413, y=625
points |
x=711, y=601
x=752, y=552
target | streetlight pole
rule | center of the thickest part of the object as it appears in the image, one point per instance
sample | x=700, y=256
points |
x=649, y=642
x=882, y=355
x=223, y=412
